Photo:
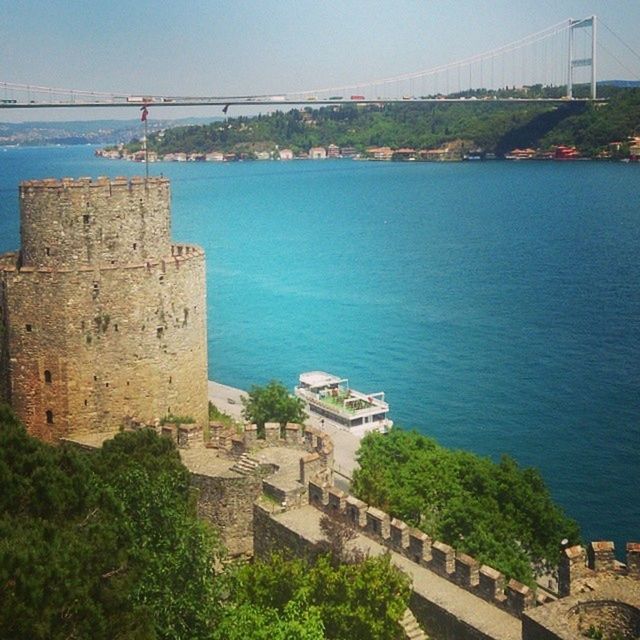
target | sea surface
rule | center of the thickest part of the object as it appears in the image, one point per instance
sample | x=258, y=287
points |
x=497, y=304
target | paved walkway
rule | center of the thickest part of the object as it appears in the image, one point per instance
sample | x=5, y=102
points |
x=461, y=604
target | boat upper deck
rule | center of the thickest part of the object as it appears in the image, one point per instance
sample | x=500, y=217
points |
x=334, y=393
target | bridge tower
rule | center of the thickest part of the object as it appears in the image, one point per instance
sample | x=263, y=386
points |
x=582, y=62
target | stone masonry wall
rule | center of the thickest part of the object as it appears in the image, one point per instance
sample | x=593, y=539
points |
x=86, y=346
x=461, y=569
x=227, y=503
x=80, y=222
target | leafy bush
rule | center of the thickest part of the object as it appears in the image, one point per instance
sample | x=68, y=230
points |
x=499, y=513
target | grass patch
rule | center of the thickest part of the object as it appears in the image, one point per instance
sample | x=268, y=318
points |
x=216, y=415
x=171, y=419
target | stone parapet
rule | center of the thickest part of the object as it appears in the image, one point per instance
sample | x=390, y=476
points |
x=419, y=549
x=356, y=511
x=633, y=559
x=519, y=597
x=601, y=555
x=491, y=584
x=272, y=432
x=441, y=558
x=467, y=570
x=377, y=523
x=399, y=533
x=572, y=567
x=336, y=500
x=188, y=434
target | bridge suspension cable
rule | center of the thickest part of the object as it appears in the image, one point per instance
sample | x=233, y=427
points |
x=493, y=53
x=552, y=57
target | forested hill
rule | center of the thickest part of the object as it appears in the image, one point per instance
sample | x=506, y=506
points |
x=484, y=123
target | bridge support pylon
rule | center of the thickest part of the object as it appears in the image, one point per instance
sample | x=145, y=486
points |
x=582, y=62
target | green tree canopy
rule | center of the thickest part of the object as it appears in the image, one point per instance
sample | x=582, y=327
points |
x=499, y=513
x=98, y=546
x=272, y=403
x=359, y=601
x=496, y=127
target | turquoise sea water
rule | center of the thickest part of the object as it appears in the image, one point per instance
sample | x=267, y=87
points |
x=496, y=304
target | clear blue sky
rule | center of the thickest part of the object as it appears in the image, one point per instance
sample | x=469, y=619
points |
x=270, y=46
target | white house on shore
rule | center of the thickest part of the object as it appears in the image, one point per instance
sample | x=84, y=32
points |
x=317, y=153
x=286, y=154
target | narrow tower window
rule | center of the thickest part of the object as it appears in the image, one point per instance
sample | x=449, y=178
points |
x=47, y=376
x=47, y=250
x=49, y=415
x=28, y=328
x=86, y=218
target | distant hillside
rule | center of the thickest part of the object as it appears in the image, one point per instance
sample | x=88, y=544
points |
x=495, y=127
x=85, y=131
x=622, y=84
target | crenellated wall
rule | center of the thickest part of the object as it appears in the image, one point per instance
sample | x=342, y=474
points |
x=604, y=593
x=89, y=338
x=483, y=581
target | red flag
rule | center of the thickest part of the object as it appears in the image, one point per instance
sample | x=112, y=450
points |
x=145, y=113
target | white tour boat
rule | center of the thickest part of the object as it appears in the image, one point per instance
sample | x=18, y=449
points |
x=330, y=397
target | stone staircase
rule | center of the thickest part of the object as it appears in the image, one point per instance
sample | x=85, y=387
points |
x=410, y=627
x=245, y=465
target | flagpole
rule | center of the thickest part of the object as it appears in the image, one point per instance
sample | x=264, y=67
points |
x=144, y=115
x=146, y=152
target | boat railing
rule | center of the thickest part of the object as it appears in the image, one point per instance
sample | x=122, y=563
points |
x=344, y=405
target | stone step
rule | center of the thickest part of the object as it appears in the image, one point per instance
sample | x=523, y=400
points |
x=410, y=627
x=245, y=465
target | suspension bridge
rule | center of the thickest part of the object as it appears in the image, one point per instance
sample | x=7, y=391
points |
x=558, y=59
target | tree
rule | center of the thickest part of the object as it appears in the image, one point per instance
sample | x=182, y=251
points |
x=64, y=569
x=499, y=513
x=272, y=403
x=105, y=545
x=358, y=601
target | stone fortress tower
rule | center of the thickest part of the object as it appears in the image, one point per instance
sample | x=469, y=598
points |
x=101, y=317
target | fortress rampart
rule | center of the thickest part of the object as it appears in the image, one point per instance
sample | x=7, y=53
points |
x=605, y=594
x=460, y=568
x=101, y=319
x=231, y=470
x=276, y=503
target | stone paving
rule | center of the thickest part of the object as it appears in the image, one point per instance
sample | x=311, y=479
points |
x=228, y=400
x=465, y=606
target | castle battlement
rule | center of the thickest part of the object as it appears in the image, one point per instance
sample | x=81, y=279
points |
x=597, y=560
x=102, y=183
x=180, y=254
